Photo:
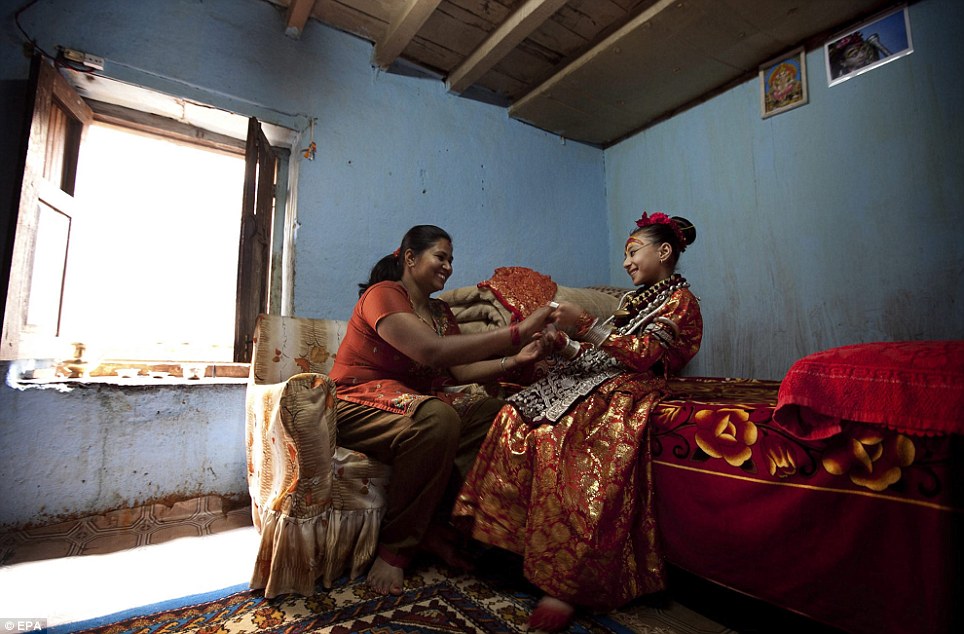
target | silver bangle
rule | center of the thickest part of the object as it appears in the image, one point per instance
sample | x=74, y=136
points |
x=597, y=334
x=571, y=350
x=502, y=363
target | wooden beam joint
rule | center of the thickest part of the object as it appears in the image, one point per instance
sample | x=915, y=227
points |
x=299, y=11
x=402, y=29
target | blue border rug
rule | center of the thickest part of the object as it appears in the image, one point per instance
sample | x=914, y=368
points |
x=435, y=600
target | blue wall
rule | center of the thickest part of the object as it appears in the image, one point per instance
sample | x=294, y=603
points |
x=392, y=152
x=396, y=151
x=835, y=223
x=99, y=447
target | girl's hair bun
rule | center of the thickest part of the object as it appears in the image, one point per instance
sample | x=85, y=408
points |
x=687, y=228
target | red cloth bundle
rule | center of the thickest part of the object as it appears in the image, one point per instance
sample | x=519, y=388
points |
x=520, y=290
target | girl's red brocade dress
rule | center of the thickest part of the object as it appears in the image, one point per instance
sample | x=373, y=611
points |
x=575, y=497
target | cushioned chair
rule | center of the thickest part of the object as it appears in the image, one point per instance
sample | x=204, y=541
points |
x=317, y=506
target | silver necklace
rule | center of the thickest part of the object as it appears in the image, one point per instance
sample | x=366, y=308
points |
x=637, y=308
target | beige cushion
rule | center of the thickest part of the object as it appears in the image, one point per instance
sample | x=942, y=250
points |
x=291, y=345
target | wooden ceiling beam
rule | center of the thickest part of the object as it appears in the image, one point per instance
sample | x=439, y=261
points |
x=298, y=13
x=517, y=27
x=403, y=27
x=601, y=48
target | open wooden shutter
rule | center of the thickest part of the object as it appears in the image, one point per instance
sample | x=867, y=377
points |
x=257, y=219
x=46, y=212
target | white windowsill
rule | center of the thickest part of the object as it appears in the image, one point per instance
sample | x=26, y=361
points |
x=140, y=381
x=150, y=374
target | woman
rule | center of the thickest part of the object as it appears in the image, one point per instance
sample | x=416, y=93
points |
x=563, y=477
x=396, y=373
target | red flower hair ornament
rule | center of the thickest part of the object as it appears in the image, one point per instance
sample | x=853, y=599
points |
x=659, y=218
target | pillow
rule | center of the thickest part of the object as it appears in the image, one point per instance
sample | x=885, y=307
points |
x=910, y=386
x=599, y=303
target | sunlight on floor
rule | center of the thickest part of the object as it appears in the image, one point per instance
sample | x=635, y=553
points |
x=71, y=589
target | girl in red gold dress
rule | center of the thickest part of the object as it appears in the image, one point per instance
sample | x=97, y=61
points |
x=563, y=476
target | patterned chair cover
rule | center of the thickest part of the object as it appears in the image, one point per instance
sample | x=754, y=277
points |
x=317, y=506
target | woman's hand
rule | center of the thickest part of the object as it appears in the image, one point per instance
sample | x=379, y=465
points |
x=568, y=317
x=533, y=325
x=482, y=371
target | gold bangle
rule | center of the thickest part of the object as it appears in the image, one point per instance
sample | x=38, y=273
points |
x=502, y=363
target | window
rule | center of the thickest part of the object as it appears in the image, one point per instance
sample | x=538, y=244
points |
x=153, y=264
x=144, y=237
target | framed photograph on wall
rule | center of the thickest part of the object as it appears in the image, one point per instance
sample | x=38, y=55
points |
x=874, y=43
x=783, y=83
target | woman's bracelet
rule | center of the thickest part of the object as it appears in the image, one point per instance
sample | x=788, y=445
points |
x=514, y=335
x=502, y=363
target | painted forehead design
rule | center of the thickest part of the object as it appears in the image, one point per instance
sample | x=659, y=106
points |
x=631, y=240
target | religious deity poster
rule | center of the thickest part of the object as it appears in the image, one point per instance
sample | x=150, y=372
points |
x=783, y=83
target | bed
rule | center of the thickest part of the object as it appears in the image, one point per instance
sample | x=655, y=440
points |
x=860, y=530
x=836, y=493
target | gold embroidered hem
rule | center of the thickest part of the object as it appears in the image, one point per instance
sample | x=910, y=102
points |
x=574, y=498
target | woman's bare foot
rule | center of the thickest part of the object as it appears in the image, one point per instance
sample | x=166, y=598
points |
x=551, y=615
x=385, y=578
x=443, y=541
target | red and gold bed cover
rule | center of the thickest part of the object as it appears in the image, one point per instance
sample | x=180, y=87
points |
x=861, y=531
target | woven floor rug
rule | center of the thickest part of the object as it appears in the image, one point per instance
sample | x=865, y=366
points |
x=435, y=600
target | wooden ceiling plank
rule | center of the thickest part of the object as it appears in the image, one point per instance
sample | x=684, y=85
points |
x=298, y=13
x=592, y=53
x=403, y=27
x=455, y=28
x=368, y=25
x=526, y=19
x=492, y=12
x=588, y=18
x=436, y=57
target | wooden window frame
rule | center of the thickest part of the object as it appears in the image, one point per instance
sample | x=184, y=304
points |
x=50, y=182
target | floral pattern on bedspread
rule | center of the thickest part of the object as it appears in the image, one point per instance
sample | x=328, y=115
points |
x=726, y=426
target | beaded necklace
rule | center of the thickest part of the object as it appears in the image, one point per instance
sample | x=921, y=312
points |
x=635, y=307
x=551, y=396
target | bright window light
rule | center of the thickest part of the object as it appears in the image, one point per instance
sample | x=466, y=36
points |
x=153, y=255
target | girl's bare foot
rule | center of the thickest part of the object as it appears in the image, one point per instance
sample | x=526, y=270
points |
x=385, y=578
x=551, y=615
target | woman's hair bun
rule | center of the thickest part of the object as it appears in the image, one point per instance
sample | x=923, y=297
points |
x=687, y=228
